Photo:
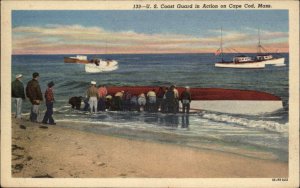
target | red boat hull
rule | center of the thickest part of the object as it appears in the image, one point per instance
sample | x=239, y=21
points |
x=202, y=93
x=232, y=101
x=74, y=60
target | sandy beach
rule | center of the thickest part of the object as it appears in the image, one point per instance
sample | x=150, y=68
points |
x=66, y=153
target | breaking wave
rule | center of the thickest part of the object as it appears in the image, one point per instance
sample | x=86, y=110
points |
x=260, y=124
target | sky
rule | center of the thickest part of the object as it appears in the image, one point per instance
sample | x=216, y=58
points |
x=144, y=31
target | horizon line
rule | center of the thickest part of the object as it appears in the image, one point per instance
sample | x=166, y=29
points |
x=145, y=53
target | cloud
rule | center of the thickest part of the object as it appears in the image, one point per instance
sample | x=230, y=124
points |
x=72, y=39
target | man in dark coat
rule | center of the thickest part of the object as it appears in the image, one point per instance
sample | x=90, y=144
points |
x=33, y=92
x=49, y=97
x=18, y=94
x=186, y=100
x=170, y=100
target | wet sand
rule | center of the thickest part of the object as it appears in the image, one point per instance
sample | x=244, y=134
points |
x=61, y=152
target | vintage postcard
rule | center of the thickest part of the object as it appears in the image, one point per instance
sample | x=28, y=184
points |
x=150, y=93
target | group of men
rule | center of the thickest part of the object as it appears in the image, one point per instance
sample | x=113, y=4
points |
x=96, y=96
x=171, y=98
x=34, y=94
x=164, y=100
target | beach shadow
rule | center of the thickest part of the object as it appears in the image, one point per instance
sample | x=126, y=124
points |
x=42, y=176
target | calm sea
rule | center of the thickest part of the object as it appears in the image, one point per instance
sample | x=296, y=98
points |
x=262, y=136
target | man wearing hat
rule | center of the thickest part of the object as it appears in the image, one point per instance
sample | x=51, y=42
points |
x=49, y=97
x=92, y=95
x=34, y=93
x=18, y=94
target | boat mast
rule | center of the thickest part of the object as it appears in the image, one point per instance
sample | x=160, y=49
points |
x=221, y=45
x=258, y=45
x=105, y=47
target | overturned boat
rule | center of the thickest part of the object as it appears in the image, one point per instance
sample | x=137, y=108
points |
x=231, y=101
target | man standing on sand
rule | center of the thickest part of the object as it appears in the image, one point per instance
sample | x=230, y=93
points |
x=33, y=92
x=92, y=95
x=18, y=94
x=49, y=97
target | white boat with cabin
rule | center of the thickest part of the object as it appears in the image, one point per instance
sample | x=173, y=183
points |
x=267, y=58
x=239, y=62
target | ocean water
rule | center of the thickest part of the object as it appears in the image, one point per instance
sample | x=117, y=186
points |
x=261, y=136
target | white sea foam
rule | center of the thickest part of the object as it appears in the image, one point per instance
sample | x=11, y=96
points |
x=262, y=124
x=82, y=121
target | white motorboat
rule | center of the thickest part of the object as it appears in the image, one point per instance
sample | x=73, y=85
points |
x=101, y=65
x=94, y=65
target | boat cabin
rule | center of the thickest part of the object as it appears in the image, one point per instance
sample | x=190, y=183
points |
x=80, y=57
x=264, y=57
x=241, y=59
